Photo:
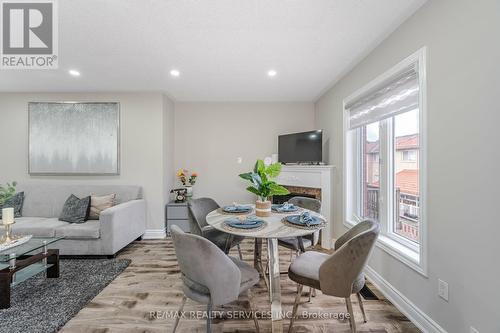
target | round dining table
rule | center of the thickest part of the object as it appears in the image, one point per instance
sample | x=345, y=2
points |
x=274, y=228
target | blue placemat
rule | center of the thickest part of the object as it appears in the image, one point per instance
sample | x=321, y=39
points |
x=297, y=220
x=251, y=222
x=237, y=209
x=284, y=208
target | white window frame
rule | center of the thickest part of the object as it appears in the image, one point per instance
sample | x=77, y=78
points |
x=412, y=254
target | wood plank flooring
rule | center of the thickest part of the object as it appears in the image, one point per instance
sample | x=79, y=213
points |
x=151, y=283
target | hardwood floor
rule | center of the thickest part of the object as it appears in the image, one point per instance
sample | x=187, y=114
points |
x=151, y=283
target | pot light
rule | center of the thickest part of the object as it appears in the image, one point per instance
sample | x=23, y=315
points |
x=175, y=72
x=74, y=72
x=271, y=73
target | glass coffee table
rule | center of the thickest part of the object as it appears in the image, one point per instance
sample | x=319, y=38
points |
x=24, y=261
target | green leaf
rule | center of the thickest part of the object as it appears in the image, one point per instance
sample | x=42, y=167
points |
x=253, y=190
x=264, y=178
x=246, y=176
x=273, y=170
x=276, y=189
x=259, y=166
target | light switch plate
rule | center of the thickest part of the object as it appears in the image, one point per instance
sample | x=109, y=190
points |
x=443, y=289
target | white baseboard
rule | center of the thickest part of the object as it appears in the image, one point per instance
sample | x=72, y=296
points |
x=154, y=234
x=403, y=304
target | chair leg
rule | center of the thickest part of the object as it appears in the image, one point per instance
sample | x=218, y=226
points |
x=295, y=306
x=239, y=251
x=179, y=312
x=229, y=242
x=310, y=294
x=361, y=306
x=256, y=322
x=209, y=319
x=351, y=314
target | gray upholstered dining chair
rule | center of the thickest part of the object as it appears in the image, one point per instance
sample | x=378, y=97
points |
x=199, y=209
x=209, y=276
x=340, y=274
x=299, y=244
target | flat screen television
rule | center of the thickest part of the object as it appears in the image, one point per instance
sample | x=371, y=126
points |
x=303, y=147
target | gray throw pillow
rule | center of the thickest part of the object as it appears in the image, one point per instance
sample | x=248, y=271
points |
x=75, y=210
x=15, y=202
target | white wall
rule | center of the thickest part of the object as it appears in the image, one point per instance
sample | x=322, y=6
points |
x=211, y=136
x=144, y=144
x=463, y=158
x=168, y=147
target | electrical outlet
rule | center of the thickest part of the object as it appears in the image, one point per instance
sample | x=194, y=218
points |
x=443, y=289
x=473, y=330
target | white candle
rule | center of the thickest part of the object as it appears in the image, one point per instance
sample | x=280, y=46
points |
x=8, y=215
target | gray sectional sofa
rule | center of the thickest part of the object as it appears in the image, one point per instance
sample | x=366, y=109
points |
x=118, y=226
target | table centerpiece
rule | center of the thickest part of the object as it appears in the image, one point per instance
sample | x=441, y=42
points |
x=263, y=185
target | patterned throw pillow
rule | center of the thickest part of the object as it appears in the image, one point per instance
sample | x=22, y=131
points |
x=100, y=203
x=15, y=202
x=75, y=210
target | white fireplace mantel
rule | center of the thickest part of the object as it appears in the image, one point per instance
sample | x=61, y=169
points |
x=314, y=176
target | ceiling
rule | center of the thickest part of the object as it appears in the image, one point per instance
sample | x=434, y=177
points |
x=222, y=48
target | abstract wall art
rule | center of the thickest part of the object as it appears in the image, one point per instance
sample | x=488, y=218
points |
x=71, y=138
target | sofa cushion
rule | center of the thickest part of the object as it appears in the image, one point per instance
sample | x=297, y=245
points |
x=87, y=230
x=16, y=202
x=100, y=203
x=75, y=210
x=36, y=226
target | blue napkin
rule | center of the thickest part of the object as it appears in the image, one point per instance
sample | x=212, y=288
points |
x=249, y=222
x=236, y=208
x=304, y=219
x=285, y=207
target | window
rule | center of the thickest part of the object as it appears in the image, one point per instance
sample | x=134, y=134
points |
x=370, y=171
x=409, y=155
x=384, y=159
x=406, y=187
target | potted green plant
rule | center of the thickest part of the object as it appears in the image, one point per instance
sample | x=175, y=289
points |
x=7, y=192
x=264, y=186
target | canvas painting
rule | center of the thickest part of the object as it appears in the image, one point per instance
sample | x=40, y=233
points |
x=74, y=138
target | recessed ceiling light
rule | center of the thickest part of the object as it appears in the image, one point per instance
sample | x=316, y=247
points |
x=74, y=72
x=271, y=73
x=175, y=72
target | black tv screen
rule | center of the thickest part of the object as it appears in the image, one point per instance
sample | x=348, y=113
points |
x=303, y=147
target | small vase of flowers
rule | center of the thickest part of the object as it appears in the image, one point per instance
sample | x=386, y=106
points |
x=264, y=186
x=188, y=180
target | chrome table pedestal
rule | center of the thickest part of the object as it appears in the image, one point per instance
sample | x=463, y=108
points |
x=274, y=285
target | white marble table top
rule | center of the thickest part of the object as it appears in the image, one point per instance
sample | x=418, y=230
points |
x=274, y=228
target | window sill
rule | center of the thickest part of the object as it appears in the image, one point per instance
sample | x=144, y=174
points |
x=406, y=255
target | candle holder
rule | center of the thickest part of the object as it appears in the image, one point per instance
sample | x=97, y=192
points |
x=8, y=237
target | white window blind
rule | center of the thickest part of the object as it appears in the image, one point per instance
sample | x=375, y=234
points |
x=397, y=95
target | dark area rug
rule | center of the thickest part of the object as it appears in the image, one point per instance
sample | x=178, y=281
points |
x=45, y=305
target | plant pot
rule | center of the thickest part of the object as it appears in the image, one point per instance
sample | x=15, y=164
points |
x=189, y=190
x=263, y=208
